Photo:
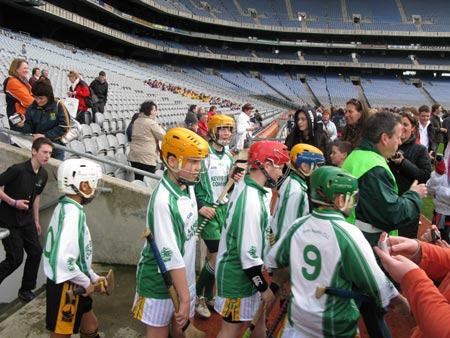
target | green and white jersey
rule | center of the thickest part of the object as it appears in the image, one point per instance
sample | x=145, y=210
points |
x=68, y=245
x=322, y=249
x=217, y=166
x=244, y=239
x=172, y=219
x=292, y=203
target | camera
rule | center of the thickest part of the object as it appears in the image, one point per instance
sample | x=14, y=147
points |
x=439, y=158
x=15, y=118
x=396, y=155
x=435, y=236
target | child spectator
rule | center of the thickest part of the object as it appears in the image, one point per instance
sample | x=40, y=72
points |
x=339, y=152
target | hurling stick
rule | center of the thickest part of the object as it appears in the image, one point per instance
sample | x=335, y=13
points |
x=190, y=331
x=241, y=163
x=109, y=289
x=277, y=321
x=255, y=320
x=321, y=290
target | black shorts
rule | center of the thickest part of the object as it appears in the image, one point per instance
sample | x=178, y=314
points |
x=63, y=316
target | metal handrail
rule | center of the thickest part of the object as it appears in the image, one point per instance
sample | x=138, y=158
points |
x=86, y=155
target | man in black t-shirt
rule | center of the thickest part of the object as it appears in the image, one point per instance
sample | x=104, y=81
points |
x=22, y=185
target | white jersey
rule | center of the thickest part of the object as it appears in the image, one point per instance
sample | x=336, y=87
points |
x=292, y=203
x=217, y=167
x=68, y=245
x=244, y=240
x=172, y=219
x=322, y=249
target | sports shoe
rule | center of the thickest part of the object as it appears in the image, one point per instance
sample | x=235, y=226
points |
x=211, y=302
x=26, y=295
x=201, y=308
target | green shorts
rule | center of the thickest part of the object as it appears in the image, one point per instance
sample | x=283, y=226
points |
x=213, y=229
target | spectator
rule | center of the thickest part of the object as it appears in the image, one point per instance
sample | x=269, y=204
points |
x=425, y=127
x=200, y=112
x=380, y=207
x=415, y=265
x=438, y=131
x=328, y=126
x=46, y=117
x=212, y=111
x=100, y=88
x=191, y=117
x=446, y=126
x=411, y=162
x=243, y=127
x=356, y=116
x=24, y=49
x=307, y=130
x=203, y=124
x=44, y=76
x=17, y=89
x=439, y=187
x=256, y=119
x=339, y=152
x=323, y=249
x=144, y=147
x=339, y=121
x=130, y=126
x=22, y=185
x=35, y=75
x=80, y=90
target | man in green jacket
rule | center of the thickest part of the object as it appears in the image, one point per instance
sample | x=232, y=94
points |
x=380, y=208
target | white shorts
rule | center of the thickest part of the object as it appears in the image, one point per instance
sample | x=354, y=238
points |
x=238, y=309
x=157, y=312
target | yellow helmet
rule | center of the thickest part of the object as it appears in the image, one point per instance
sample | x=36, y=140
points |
x=303, y=153
x=220, y=121
x=183, y=144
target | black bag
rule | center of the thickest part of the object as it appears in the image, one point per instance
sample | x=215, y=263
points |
x=91, y=100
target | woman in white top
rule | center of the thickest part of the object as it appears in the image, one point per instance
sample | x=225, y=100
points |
x=328, y=126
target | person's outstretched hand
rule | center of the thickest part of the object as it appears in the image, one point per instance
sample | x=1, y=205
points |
x=397, y=266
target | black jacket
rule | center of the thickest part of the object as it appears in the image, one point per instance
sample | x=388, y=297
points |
x=415, y=166
x=52, y=120
x=100, y=89
x=317, y=137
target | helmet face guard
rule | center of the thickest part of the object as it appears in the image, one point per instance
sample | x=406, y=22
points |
x=305, y=159
x=218, y=122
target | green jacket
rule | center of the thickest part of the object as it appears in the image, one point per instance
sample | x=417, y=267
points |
x=379, y=203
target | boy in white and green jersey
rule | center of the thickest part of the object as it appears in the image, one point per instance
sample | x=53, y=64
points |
x=293, y=201
x=322, y=249
x=217, y=168
x=68, y=253
x=244, y=241
x=172, y=219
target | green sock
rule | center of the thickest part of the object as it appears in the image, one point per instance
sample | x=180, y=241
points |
x=210, y=281
x=201, y=281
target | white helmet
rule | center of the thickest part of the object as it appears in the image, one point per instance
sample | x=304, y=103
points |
x=76, y=170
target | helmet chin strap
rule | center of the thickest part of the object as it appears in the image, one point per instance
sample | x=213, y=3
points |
x=270, y=183
x=345, y=210
x=176, y=173
x=84, y=199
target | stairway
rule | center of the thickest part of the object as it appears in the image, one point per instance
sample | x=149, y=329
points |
x=289, y=10
x=401, y=10
x=344, y=10
x=311, y=93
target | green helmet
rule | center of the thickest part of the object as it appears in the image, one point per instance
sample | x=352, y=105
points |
x=327, y=181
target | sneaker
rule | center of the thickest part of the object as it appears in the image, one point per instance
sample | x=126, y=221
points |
x=201, y=307
x=211, y=302
x=26, y=295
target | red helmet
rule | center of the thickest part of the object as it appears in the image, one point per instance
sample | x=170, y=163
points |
x=262, y=151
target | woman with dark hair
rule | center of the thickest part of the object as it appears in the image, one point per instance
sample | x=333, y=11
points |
x=46, y=117
x=308, y=130
x=144, y=146
x=410, y=163
x=17, y=90
x=355, y=115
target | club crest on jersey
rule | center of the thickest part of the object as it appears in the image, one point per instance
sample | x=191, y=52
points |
x=252, y=252
x=166, y=254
